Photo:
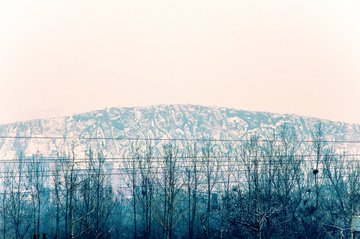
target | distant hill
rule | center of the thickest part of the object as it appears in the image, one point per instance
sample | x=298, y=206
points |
x=158, y=121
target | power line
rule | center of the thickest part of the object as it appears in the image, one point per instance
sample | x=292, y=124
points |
x=136, y=171
x=173, y=139
x=232, y=182
x=156, y=159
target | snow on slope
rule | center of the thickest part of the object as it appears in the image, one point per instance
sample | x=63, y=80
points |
x=159, y=121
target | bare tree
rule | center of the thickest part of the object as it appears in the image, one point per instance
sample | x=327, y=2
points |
x=316, y=191
x=57, y=192
x=191, y=182
x=255, y=203
x=165, y=206
x=70, y=181
x=228, y=169
x=36, y=180
x=6, y=182
x=337, y=210
x=131, y=180
x=353, y=189
x=288, y=169
x=146, y=192
x=211, y=168
x=18, y=198
x=97, y=196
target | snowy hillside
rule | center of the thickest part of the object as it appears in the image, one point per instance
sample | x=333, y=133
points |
x=159, y=121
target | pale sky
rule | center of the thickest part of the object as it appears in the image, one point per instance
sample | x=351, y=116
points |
x=64, y=57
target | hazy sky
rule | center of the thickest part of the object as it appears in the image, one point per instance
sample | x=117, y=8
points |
x=67, y=57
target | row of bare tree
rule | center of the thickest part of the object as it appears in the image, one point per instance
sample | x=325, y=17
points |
x=256, y=188
x=63, y=198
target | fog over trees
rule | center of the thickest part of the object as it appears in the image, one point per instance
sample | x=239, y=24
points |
x=273, y=187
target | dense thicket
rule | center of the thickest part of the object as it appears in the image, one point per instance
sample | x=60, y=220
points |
x=276, y=187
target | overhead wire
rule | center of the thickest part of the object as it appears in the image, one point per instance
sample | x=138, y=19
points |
x=132, y=159
x=173, y=139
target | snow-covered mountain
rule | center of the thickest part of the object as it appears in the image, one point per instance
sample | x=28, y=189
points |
x=159, y=121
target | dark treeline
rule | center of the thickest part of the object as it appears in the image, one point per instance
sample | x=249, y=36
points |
x=273, y=188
